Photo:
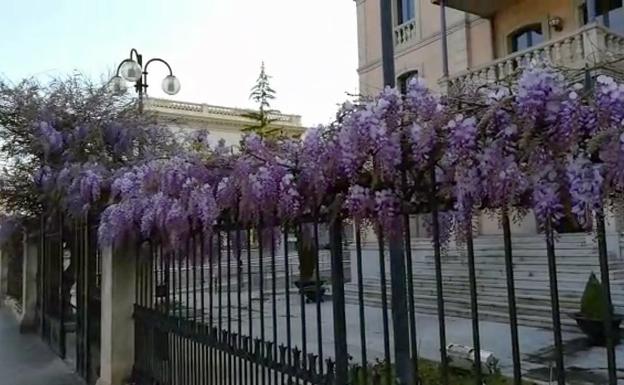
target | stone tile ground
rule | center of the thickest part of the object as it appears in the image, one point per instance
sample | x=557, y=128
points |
x=26, y=360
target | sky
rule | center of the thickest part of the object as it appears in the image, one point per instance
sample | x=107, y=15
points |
x=215, y=47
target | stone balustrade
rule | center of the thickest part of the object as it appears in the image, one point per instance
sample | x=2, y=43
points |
x=207, y=109
x=590, y=45
x=405, y=32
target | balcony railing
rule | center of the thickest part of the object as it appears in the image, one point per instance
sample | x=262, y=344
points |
x=172, y=106
x=405, y=32
x=590, y=45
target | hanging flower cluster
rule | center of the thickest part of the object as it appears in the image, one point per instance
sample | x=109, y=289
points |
x=540, y=144
x=78, y=164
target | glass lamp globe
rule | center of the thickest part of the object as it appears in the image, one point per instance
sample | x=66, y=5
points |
x=130, y=71
x=171, y=85
x=117, y=85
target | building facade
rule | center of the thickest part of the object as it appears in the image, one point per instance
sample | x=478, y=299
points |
x=487, y=41
x=223, y=123
x=486, y=38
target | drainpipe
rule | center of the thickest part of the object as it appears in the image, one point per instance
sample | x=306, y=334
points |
x=387, y=43
x=445, y=64
x=400, y=317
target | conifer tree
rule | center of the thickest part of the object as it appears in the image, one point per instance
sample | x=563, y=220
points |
x=262, y=93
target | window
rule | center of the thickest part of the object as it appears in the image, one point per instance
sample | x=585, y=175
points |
x=405, y=11
x=608, y=12
x=526, y=37
x=404, y=79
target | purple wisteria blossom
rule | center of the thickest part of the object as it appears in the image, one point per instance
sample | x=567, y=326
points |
x=586, y=187
x=50, y=139
x=539, y=145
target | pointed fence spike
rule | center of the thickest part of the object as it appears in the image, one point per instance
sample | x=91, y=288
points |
x=269, y=350
x=297, y=357
x=312, y=358
x=235, y=340
x=330, y=365
x=282, y=353
x=257, y=347
x=246, y=344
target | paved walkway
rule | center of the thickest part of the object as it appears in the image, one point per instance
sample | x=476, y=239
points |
x=26, y=360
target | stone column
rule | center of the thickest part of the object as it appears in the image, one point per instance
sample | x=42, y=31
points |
x=29, y=282
x=593, y=46
x=118, y=297
x=613, y=235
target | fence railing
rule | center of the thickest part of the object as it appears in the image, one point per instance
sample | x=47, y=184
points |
x=201, y=317
x=15, y=265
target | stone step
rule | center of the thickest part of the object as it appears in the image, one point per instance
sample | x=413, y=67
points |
x=463, y=311
x=565, y=281
x=485, y=301
x=496, y=250
x=532, y=311
x=522, y=259
x=499, y=288
x=495, y=272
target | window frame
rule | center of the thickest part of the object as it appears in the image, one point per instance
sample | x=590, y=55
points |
x=403, y=79
x=584, y=11
x=399, y=11
x=513, y=36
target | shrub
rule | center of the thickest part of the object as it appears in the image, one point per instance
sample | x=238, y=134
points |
x=594, y=304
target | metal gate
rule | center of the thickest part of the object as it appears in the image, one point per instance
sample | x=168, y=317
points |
x=85, y=256
x=222, y=310
x=53, y=304
x=15, y=253
x=69, y=292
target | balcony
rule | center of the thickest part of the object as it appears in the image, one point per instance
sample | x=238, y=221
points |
x=590, y=46
x=404, y=33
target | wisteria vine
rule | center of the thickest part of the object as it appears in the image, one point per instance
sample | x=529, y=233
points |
x=542, y=144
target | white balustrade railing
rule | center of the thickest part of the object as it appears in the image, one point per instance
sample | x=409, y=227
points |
x=591, y=44
x=207, y=109
x=405, y=32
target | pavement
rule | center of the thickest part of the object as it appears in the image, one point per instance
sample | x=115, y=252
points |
x=26, y=360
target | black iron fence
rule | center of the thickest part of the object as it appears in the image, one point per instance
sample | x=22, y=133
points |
x=221, y=309
x=15, y=265
x=68, y=301
x=54, y=297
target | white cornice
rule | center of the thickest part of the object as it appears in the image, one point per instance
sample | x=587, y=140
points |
x=200, y=109
x=226, y=118
x=196, y=113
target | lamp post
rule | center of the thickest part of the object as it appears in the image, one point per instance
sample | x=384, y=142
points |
x=132, y=70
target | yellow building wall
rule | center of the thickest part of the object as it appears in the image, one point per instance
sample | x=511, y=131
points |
x=469, y=43
x=480, y=42
x=470, y=38
x=529, y=12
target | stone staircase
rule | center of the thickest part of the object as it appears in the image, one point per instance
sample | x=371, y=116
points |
x=576, y=258
x=194, y=275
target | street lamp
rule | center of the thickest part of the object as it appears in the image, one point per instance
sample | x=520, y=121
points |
x=133, y=71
